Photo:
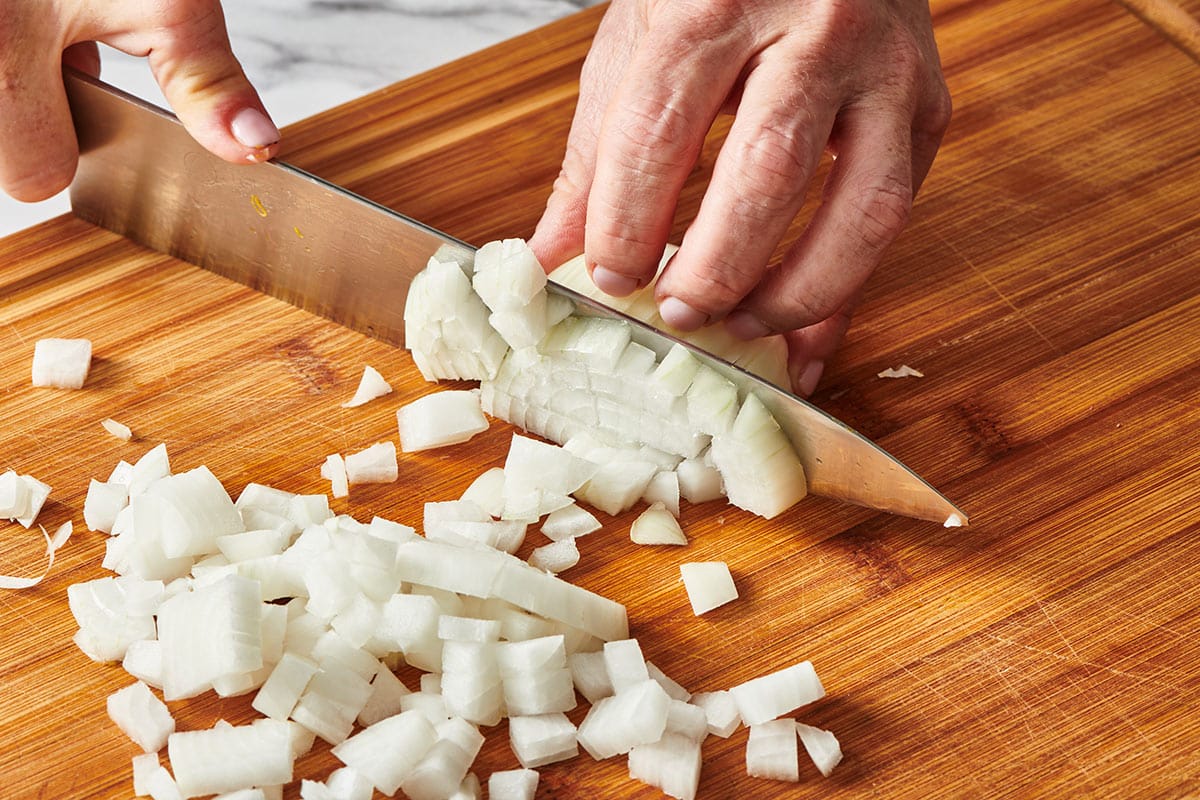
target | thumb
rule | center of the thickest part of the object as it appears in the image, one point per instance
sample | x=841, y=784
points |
x=194, y=65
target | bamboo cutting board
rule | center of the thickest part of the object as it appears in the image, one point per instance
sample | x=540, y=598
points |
x=1048, y=287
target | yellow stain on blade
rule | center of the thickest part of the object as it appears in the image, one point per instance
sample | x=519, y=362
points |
x=257, y=202
x=299, y=235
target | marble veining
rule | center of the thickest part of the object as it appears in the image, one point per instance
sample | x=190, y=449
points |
x=305, y=56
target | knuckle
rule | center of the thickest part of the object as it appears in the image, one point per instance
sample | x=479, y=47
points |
x=716, y=284
x=882, y=209
x=772, y=170
x=652, y=136
x=934, y=117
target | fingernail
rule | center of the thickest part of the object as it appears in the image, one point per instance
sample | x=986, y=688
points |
x=613, y=283
x=680, y=315
x=746, y=326
x=254, y=129
x=805, y=383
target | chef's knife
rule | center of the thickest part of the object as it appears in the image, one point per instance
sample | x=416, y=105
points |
x=292, y=235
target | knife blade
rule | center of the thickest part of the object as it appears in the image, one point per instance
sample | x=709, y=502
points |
x=292, y=235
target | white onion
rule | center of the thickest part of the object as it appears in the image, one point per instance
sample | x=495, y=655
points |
x=370, y=386
x=61, y=363
x=440, y=419
x=375, y=464
x=144, y=765
x=555, y=557
x=670, y=685
x=624, y=664
x=633, y=716
x=822, y=747
x=118, y=430
x=589, y=672
x=513, y=784
x=903, y=371
x=22, y=497
x=570, y=522
x=721, y=712
x=225, y=759
x=771, y=751
x=709, y=585
x=657, y=525
x=283, y=688
x=671, y=764
x=487, y=492
x=141, y=716
x=386, y=752
x=102, y=504
x=771, y=696
x=333, y=469
x=542, y=739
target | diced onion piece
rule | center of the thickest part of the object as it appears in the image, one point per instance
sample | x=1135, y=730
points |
x=513, y=784
x=771, y=696
x=720, y=710
x=370, y=386
x=954, y=521
x=772, y=752
x=22, y=497
x=669, y=684
x=624, y=663
x=141, y=716
x=542, y=739
x=144, y=765
x=699, y=481
x=61, y=363
x=160, y=785
x=446, y=326
x=633, y=716
x=469, y=789
x=687, y=720
x=617, y=486
x=511, y=282
x=589, y=671
x=386, y=693
x=903, y=371
x=760, y=470
x=346, y=783
x=102, y=504
x=822, y=746
x=334, y=470
x=569, y=523
x=226, y=759
x=487, y=491
x=671, y=764
x=153, y=464
x=118, y=430
x=556, y=556
x=190, y=510
x=664, y=488
x=283, y=687
x=245, y=794
x=386, y=753
x=708, y=584
x=375, y=464
x=440, y=419
x=657, y=525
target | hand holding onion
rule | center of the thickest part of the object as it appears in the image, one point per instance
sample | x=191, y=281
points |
x=189, y=52
x=859, y=77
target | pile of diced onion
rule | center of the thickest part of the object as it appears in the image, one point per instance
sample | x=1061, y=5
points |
x=312, y=613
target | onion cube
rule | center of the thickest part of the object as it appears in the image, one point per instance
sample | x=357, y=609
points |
x=440, y=419
x=771, y=751
x=555, y=557
x=590, y=674
x=542, y=739
x=334, y=470
x=771, y=696
x=625, y=664
x=469, y=789
x=687, y=720
x=386, y=693
x=144, y=765
x=614, y=725
x=671, y=764
x=669, y=684
x=822, y=746
x=375, y=464
x=141, y=716
x=721, y=712
x=699, y=482
x=284, y=686
x=102, y=504
x=487, y=492
x=708, y=584
x=61, y=363
x=225, y=759
x=386, y=753
x=513, y=784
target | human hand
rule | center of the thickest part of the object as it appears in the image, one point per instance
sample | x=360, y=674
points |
x=189, y=54
x=861, y=78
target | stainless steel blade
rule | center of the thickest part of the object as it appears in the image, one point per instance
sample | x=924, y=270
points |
x=287, y=233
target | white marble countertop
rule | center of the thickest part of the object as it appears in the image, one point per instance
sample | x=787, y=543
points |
x=306, y=56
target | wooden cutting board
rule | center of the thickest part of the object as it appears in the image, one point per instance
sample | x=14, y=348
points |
x=1048, y=288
